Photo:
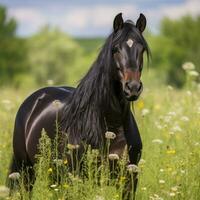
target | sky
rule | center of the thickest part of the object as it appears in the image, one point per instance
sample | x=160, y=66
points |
x=90, y=18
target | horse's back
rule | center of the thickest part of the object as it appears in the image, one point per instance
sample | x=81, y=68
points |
x=39, y=111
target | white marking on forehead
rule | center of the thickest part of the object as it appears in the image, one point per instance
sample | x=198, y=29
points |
x=130, y=42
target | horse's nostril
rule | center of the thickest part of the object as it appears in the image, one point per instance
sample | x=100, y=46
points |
x=128, y=85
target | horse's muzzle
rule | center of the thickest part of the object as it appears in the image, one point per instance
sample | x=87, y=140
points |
x=132, y=90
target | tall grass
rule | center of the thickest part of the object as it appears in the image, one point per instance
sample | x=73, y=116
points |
x=169, y=122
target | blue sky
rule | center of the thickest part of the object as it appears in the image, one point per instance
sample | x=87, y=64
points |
x=93, y=18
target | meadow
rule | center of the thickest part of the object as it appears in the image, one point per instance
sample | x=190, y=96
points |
x=169, y=122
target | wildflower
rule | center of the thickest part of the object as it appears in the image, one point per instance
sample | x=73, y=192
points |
x=182, y=171
x=161, y=181
x=50, y=170
x=56, y=103
x=140, y=105
x=65, y=162
x=145, y=111
x=53, y=186
x=172, y=194
x=158, y=141
x=171, y=133
x=188, y=66
x=65, y=186
x=176, y=128
x=144, y=188
x=122, y=178
x=142, y=161
x=189, y=93
x=113, y=156
x=4, y=191
x=193, y=73
x=6, y=101
x=14, y=176
x=110, y=135
x=161, y=170
x=56, y=189
x=167, y=119
x=169, y=87
x=174, y=189
x=157, y=107
x=171, y=151
x=99, y=198
x=172, y=113
x=50, y=82
x=185, y=119
x=59, y=162
x=72, y=146
x=133, y=168
x=158, y=125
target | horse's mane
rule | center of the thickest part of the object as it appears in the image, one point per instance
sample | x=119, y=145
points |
x=83, y=117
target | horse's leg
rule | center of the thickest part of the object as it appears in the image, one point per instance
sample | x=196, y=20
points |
x=134, y=146
x=20, y=165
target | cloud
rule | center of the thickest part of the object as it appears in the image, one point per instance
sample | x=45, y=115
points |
x=189, y=7
x=96, y=19
x=29, y=19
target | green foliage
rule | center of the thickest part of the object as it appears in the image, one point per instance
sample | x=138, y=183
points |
x=51, y=55
x=177, y=43
x=12, y=49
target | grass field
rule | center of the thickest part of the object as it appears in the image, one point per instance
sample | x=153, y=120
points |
x=169, y=122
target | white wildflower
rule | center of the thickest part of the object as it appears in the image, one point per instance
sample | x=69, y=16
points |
x=50, y=82
x=167, y=119
x=113, y=156
x=169, y=87
x=193, y=73
x=53, y=186
x=189, y=93
x=56, y=103
x=14, y=176
x=188, y=66
x=58, y=161
x=4, y=191
x=133, y=168
x=176, y=128
x=161, y=181
x=144, y=188
x=182, y=171
x=185, y=119
x=158, y=125
x=158, y=141
x=172, y=113
x=161, y=170
x=171, y=133
x=72, y=146
x=145, y=111
x=142, y=161
x=174, y=189
x=172, y=194
x=110, y=135
x=99, y=198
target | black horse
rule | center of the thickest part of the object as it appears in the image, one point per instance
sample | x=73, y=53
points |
x=100, y=103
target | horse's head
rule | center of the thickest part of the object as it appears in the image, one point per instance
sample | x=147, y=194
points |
x=127, y=50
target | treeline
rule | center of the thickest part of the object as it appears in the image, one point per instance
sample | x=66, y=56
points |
x=54, y=57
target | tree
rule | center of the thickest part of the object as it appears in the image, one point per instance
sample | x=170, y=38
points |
x=12, y=49
x=51, y=55
x=183, y=35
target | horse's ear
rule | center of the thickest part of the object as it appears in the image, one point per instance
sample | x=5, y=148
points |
x=118, y=22
x=141, y=23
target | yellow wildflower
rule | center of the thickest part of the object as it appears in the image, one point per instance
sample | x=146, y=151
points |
x=171, y=151
x=50, y=170
x=140, y=104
